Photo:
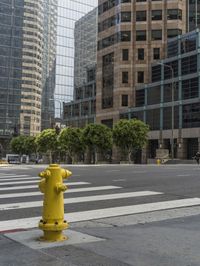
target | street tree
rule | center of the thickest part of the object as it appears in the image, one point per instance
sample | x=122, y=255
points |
x=30, y=145
x=47, y=142
x=71, y=142
x=97, y=138
x=130, y=136
x=18, y=145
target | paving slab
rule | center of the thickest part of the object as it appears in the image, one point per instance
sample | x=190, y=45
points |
x=31, y=239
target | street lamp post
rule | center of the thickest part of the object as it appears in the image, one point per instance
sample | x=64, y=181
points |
x=172, y=99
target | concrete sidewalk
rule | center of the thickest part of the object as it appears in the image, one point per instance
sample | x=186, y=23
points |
x=151, y=239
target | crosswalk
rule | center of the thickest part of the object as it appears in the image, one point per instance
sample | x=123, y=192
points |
x=21, y=201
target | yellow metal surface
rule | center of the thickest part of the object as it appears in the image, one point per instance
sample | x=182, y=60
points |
x=158, y=162
x=52, y=186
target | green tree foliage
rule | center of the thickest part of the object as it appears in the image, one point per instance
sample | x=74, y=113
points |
x=47, y=141
x=98, y=138
x=18, y=145
x=71, y=142
x=30, y=145
x=130, y=135
x=24, y=145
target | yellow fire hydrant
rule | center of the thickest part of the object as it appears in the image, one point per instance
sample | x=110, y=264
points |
x=158, y=161
x=52, y=186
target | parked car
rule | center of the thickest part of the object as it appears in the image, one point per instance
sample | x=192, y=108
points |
x=13, y=158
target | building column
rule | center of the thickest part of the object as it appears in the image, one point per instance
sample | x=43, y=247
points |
x=144, y=155
x=182, y=149
x=116, y=155
x=198, y=144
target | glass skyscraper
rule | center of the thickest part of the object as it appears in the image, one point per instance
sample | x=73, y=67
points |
x=69, y=12
x=36, y=62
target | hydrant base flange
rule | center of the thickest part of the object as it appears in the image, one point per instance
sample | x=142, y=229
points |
x=53, y=227
x=53, y=236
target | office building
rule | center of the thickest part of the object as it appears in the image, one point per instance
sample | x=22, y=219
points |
x=27, y=58
x=132, y=35
x=82, y=109
x=36, y=64
x=170, y=105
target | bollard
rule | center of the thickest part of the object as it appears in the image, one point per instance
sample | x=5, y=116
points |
x=158, y=162
x=52, y=186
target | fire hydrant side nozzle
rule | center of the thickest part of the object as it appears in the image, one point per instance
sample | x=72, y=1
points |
x=53, y=188
x=66, y=173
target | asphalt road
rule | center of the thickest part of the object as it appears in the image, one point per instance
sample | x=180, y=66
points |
x=173, y=181
x=179, y=180
x=117, y=208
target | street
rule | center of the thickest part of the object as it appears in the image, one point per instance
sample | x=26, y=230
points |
x=103, y=197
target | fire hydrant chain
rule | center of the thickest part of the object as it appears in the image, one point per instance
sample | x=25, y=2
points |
x=52, y=187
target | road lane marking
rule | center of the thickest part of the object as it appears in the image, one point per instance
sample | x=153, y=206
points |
x=119, y=180
x=24, y=205
x=36, y=181
x=20, y=178
x=10, y=176
x=110, y=171
x=184, y=175
x=71, y=190
x=36, y=186
x=32, y=222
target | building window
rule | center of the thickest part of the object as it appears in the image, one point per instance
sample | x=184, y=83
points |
x=140, y=77
x=125, y=54
x=125, y=77
x=156, y=35
x=141, y=35
x=153, y=95
x=171, y=33
x=174, y=14
x=125, y=36
x=140, y=98
x=153, y=119
x=108, y=81
x=189, y=65
x=167, y=93
x=167, y=117
x=190, y=88
x=141, y=15
x=156, y=15
x=125, y=16
x=156, y=53
x=124, y=100
x=140, y=54
x=191, y=115
x=107, y=122
x=156, y=73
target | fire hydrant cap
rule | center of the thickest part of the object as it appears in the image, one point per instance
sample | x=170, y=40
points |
x=54, y=165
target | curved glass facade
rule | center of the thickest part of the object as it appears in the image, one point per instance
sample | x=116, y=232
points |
x=37, y=51
x=67, y=71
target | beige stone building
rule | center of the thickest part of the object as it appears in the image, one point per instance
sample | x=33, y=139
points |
x=132, y=35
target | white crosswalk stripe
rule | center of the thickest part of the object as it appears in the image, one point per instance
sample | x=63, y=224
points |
x=72, y=190
x=13, y=202
x=9, y=185
x=24, y=205
x=27, y=223
x=10, y=176
x=29, y=182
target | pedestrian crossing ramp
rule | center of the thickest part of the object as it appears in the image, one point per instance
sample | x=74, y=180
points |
x=19, y=196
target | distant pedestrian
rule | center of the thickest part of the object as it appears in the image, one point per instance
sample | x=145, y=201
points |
x=197, y=157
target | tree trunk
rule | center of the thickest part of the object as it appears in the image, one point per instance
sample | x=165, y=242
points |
x=129, y=157
x=50, y=157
